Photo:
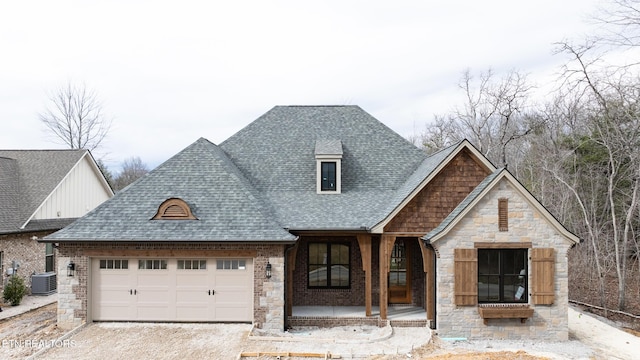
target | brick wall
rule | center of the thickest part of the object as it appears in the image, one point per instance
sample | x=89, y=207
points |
x=303, y=296
x=436, y=200
x=355, y=296
x=526, y=224
x=30, y=253
x=73, y=297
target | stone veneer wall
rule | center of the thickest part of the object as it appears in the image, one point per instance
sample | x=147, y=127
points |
x=268, y=298
x=526, y=224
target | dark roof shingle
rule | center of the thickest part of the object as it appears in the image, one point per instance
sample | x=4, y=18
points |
x=27, y=178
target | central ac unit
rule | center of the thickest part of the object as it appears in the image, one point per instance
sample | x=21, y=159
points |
x=44, y=284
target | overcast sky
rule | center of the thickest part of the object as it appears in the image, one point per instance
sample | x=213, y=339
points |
x=170, y=72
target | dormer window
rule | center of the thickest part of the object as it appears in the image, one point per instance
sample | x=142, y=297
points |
x=328, y=172
x=328, y=164
x=174, y=209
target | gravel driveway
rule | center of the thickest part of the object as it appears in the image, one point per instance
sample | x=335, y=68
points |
x=228, y=341
x=591, y=339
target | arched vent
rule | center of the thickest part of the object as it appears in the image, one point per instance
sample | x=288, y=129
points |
x=174, y=209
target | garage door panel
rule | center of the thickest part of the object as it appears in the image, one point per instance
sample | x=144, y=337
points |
x=114, y=300
x=232, y=313
x=151, y=312
x=192, y=279
x=173, y=290
x=155, y=279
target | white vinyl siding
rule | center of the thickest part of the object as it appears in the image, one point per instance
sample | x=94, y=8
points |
x=78, y=193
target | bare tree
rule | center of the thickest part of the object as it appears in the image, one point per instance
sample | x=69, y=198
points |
x=132, y=169
x=612, y=100
x=621, y=20
x=75, y=117
x=494, y=117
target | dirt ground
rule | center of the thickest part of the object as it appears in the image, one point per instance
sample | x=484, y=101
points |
x=34, y=330
x=25, y=334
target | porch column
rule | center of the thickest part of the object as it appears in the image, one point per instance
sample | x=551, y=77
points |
x=386, y=245
x=291, y=262
x=364, y=241
x=430, y=281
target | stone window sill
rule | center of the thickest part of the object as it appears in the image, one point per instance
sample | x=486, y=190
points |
x=506, y=311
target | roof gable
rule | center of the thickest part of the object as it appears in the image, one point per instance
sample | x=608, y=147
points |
x=423, y=175
x=35, y=174
x=489, y=183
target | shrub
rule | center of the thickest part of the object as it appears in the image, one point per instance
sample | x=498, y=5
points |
x=15, y=290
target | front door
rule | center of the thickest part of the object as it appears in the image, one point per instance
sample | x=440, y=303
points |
x=400, y=273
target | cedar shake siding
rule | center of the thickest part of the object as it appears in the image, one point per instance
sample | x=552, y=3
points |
x=436, y=200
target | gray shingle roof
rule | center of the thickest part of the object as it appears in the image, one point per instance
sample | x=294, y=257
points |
x=262, y=180
x=417, y=177
x=328, y=147
x=27, y=178
x=226, y=205
x=277, y=154
x=276, y=151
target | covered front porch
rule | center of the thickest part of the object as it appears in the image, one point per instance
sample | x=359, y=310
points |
x=391, y=282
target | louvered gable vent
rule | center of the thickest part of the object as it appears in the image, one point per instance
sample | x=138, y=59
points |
x=174, y=209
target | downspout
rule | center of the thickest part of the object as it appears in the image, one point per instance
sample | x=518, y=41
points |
x=435, y=290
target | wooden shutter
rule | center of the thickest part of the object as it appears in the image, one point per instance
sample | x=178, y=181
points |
x=503, y=214
x=543, y=262
x=465, y=276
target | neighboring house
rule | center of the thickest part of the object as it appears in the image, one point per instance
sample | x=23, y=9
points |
x=42, y=191
x=321, y=206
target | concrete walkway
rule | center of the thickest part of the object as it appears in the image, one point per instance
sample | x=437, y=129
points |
x=28, y=303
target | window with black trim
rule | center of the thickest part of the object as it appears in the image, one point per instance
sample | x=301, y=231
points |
x=328, y=173
x=502, y=275
x=49, y=259
x=329, y=265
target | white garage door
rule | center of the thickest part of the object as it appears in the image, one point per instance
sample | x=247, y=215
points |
x=165, y=289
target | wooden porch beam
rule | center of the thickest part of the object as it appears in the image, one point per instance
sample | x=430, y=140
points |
x=430, y=278
x=386, y=245
x=291, y=266
x=364, y=241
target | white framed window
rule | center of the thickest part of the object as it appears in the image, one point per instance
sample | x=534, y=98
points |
x=328, y=155
x=192, y=264
x=114, y=264
x=152, y=264
x=231, y=264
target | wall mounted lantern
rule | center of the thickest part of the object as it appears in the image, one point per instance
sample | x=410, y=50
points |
x=268, y=270
x=71, y=268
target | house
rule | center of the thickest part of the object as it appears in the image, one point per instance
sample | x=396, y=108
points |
x=42, y=191
x=321, y=207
